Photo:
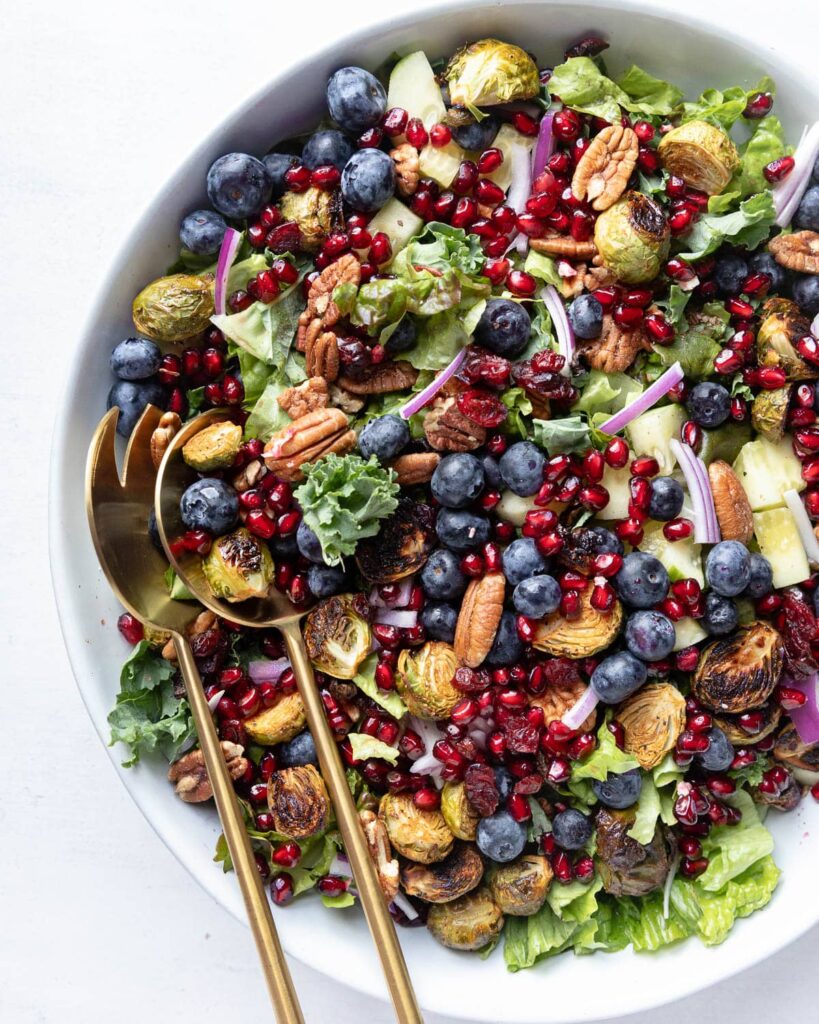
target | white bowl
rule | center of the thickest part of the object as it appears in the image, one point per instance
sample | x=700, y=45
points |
x=687, y=52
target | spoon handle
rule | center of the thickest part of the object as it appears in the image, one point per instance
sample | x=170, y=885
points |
x=378, y=917
x=276, y=972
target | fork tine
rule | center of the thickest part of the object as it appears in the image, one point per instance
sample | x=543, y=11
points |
x=102, y=453
x=138, y=467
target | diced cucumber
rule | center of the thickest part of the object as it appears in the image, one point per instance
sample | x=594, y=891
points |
x=725, y=442
x=780, y=543
x=506, y=140
x=397, y=222
x=651, y=433
x=682, y=558
x=688, y=632
x=413, y=88
x=441, y=163
x=766, y=470
x=616, y=483
x=513, y=508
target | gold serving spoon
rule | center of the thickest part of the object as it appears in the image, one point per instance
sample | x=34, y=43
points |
x=118, y=510
x=275, y=610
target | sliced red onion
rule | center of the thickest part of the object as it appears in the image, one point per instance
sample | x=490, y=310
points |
x=669, y=881
x=417, y=402
x=565, y=269
x=404, y=905
x=706, y=528
x=787, y=194
x=561, y=324
x=402, y=619
x=806, y=718
x=581, y=709
x=227, y=254
x=267, y=671
x=401, y=598
x=652, y=394
x=544, y=147
x=803, y=525
x=689, y=285
x=814, y=327
x=427, y=763
x=519, y=191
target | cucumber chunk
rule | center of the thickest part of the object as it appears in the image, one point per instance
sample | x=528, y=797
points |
x=413, y=88
x=780, y=543
x=766, y=470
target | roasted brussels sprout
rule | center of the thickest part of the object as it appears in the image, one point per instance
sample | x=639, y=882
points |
x=174, y=308
x=488, y=72
x=454, y=876
x=424, y=679
x=401, y=546
x=317, y=213
x=215, y=447
x=784, y=799
x=626, y=867
x=782, y=326
x=633, y=238
x=581, y=637
x=519, y=888
x=741, y=671
x=238, y=566
x=468, y=923
x=701, y=154
x=652, y=719
x=458, y=812
x=422, y=836
x=337, y=637
x=298, y=802
x=771, y=717
x=769, y=413
x=277, y=724
x=790, y=750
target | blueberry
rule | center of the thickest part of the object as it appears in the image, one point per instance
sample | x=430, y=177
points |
x=299, y=751
x=666, y=500
x=728, y=568
x=504, y=781
x=477, y=136
x=403, y=337
x=238, y=185
x=607, y=542
x=807, y=213
x=135, y=359
x=522, y=560
x=729, y=274
x=571, y=829
x=462, y=530
x=356, y=99
x=277, y=165
x=384, y=437
x=308, y=544
x=327, y=148
x=457, y=480
x=642, y=581
x=368, y=180
x=650, y=635
x=491, y=472
x=720, y=753
x=439, y=620
x=441, y=577
x=537, y=596
x=721, y=615
x=500, y=837
x=586, y=317
x=153, y=532
x=521, y=468
x=709, y=404
x=285, y=547
x=325, y=580
x=504, y=327
x=764, y=263
x=507, y=647
x=619, y=791
x=209, y=504
x=132, y=397
x=805, y=292
x=617, y=677
x=202, y=232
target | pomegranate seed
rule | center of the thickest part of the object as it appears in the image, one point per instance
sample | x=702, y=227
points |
x=465, y=178
x=607, y=564
x=472, y=565
x=584, y=869
x=645, y=465
x=520, y=283
x=566, y=125
x=630, y=530
x=594, y=497
x=607, y=296
x=739, y=307
x=640, y=491
x=518, y=807
x=281, y=889
x=647, y=160
x=387, y=636
x=416, y=133
x=593, y=466
x=720, y=785
x=504, y=218
x=644, y=130
x=495, y=247
x=616, y=453
x=691, y=434
x=542, y=204
x=492, y=556
x=728, y=361
x=260, y=524
x=131, y=628
x=560, y=771
x=384, y=678
x=440, y=135
x=497, y=270
x=758, y=106
x=562, y=867
x=525, y=124
x=808, y=348
x=490, y=160
x=801, y=418
x=659, y=328
x=751, y=722
x=297, y=178
x=464, y=214
x=693, y=868
x=570, y=604
x=381, y=249
x=618, y=732
x=325, y=177
x=814, y=791
x=370, y=139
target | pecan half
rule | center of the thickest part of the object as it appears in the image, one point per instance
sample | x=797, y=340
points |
x=479, y=618
x=321, y=356
x=799, y=251
x=731, y=503
x=415, y=468
x=164, y=433
x=190, y=777
x=392, y=376
x=378, y=843
x=307, y=439
x=603, y=171
x=407, y=168
x=616, y=349
x=298, y=401
x=321, y=312
x=564, y=245
x=448, y=430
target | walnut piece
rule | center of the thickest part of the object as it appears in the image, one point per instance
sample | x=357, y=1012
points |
x=572, y=286
x=407, y=168
x=341, y=399
x=378, y=843
x=385, y=377
x=307, y=439
x=321, y=356
x=164, y=433
x=603, y=171
x=799, y=251
x=190, y=776
x=564, y=245
x=321, y=312
x=448, y=430
x=730, y=502
x=479, y=618
x=415, y=468
x=616, y=349
x=249, y=475
x=201, y=624
x=298, y=401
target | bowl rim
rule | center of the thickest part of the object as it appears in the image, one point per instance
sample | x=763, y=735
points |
x=60, y=441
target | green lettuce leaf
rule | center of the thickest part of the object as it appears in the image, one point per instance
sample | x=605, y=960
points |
x=766, y=144
x=519, y=406
x=365, y=747
x=570, y=434
x=267, y=416
x=346, y=899
x=442, y=247
x=565, y=920
x=749, y=225
x=693, y=349
x=723, y=108
x=648, y=811
x=266, y=331
x=543, y=267
x=731, y=850
x=674, y=305
x=744, y=894
x=581, y=84
x=647, y=94
x=605, y=759
x=440, y=339
x=606, y=392
x=387, y=699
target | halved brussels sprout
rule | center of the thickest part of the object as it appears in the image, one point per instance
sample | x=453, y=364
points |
x=401, y=546
x=454, y=876
x=782, y=326
x=488, y=72
x=652, y=719
x=422, y=836
x=626, y=867
x=174, y=308
x=468, y=923
x=771, y=713
x=769, y=413
x=238, y=566
x=633, y=237
x=458, y=812
x=215, y=447
x=337, y=637
x=317, y=213
x=741, y=671
x=790, y=749
x=519, y=888
x=582, y=636
x=701, y=154
x=424, y=679
x=299, y=802
x=278, y=724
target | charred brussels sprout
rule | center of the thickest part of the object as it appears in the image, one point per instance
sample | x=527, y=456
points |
x=652, y=719
x=771, y=713
x=424, y=679
x=422, y=836
x=317, y=213
x=277, y=724
x=633, y=238
x=790, y=750
x=401, y=547
x=337, y=637
x=238, y=567
x=298, y=801
x=458, y=812
x=782, y=326
x=468, y=923
x=741, y=671
x=454, y=876
x=174, y=308
x=769, y=413
x=520, y=888
x=701, y=154
x=488, y=72
x=215, y=447
x=626, y=867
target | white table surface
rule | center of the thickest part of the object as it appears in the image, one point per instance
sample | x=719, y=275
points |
x=98, y=922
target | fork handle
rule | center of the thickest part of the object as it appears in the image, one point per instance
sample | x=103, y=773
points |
x=276, y=972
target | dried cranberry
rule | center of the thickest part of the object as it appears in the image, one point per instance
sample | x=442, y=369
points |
x=521, y=736
x=799, y=631
x=542, y=375
x=482, y=408
x=481, y=789
x=483, y=366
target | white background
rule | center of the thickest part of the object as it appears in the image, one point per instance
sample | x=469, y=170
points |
x=98, y=103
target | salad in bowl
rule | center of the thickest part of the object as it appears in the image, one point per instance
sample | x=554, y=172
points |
x=523, y=364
